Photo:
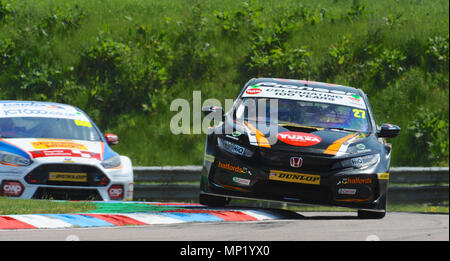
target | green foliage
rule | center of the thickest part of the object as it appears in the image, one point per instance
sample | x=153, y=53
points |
x=271, y=57
x=194, y=54
x=430, y=130
x=6, y=10
x=61, y=22
x=232, y=22
x=437, y=52
x=384, y=67
x=356, y=10
x=311, y=17
x=7, y=47
x=101, y=61
x=393, y=20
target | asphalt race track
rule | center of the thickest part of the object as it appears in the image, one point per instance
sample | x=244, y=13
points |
x=289, y=226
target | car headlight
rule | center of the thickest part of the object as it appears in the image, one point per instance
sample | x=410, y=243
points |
x=233, y=148
x=13, y=159
x=112, y=162
x=361, y=162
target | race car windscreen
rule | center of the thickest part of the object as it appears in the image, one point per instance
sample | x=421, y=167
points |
x=52, y=128
x=304, y=113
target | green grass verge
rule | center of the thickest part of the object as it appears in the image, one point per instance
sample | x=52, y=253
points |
x=32, y=206
x=10, y=206
x=440, y=208
x=416, y=208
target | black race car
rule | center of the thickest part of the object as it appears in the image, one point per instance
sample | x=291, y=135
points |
x=299, y=142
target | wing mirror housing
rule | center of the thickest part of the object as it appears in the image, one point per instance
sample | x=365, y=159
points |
x=388, y=130
x=112, y=139
x=214, y=111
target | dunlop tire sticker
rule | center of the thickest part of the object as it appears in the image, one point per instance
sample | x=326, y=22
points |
x=294, y=177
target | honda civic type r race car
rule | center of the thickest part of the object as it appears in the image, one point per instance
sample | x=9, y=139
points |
x=320, y=145
x=52, y=150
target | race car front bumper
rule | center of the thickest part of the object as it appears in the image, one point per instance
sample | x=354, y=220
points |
x=229, y=176
x=55, y=178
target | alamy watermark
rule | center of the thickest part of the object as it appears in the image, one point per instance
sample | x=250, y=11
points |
x=257, y=116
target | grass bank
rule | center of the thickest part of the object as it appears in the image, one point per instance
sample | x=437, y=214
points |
x=10, y=206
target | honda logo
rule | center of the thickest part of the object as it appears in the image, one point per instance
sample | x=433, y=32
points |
x=296, y=162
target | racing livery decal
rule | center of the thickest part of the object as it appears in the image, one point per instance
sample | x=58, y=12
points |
x=57, y=144
x=298, y=138
x=305, y=93
x=230, y=167
x=65, y=153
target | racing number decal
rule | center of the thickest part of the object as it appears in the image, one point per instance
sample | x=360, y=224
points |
x=359, y=113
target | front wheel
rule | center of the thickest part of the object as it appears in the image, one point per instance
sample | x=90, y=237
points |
x=213, y=201
x=366, y=214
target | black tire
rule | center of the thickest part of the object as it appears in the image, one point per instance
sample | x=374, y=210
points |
x=366, y=214
x=213, y=201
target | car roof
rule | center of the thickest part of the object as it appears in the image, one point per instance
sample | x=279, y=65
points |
x=314, y=84
x=34, y=102
x=19, y=108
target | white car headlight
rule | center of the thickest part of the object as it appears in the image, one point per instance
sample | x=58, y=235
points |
x=361, y=162
x=233, y=148
x=112, y=162
x=13, y=159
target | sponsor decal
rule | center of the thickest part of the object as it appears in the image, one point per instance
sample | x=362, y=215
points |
x=253, y=91
x=35, y=113
x=296, y=162
x=115, y=192
x=38, y=109
x=236, y=134
x=241, y=181
x=12, y=188
x=209, y=158
x=294, y=177
x=347, y=191
x=65, y=153
x=228, y=166
x=64, y=176
x=383, y=176
x=231, y=137
x=306, y=93
x=58, y=144
x=357, y=162
x=360, y=146
x=355, y=180
x=298, y=138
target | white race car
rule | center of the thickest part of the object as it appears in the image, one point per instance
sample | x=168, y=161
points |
x=55, y=151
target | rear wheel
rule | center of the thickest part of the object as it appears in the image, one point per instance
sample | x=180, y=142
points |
x=213, y=201
x=366, y=214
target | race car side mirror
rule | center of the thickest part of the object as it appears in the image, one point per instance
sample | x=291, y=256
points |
x=388, y=131
x=112, y=139
x=212, y=109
